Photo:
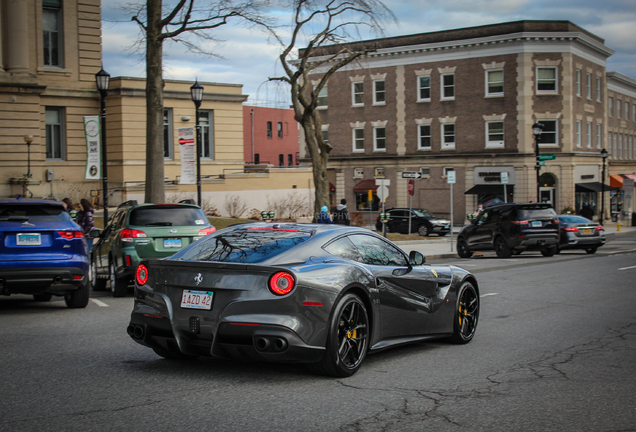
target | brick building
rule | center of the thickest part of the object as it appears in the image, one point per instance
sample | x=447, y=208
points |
x=270, y=136
x=465, y=100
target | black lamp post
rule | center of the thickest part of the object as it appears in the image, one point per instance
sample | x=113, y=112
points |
x=28, y=139
x=196, y=91
x=102, y=79
x=537, y=128
x=602, y=215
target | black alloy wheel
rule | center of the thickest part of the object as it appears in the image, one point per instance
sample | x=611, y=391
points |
x=462, y=248
x=423, y=230
x=466, y=314
x=347, y=343
x=501, y=248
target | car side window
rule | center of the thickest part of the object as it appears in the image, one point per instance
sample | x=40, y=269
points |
x=483, y=216
x=343, y=248
x=399, y=213
x=375, y=251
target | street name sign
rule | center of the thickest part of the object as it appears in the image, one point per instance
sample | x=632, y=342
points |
x=545, y=157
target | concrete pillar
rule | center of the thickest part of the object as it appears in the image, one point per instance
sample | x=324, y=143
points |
x=17, y=35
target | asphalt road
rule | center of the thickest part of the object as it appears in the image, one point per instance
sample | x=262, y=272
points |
x=555, y=350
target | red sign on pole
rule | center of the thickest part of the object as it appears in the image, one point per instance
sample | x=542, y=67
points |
x=411, y=187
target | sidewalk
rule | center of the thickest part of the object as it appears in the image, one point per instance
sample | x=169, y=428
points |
x=440, y=247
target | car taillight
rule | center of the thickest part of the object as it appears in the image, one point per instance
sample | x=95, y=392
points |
x=141, y=275
x=281, y=283
x=206, y=231
x=130, y=234
x=599, y=228
x=521, y=222
x=71, y=234
x=570, y=229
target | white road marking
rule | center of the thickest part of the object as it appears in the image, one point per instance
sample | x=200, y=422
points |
x=627, y=268
x=489, y=294
x=99, y=302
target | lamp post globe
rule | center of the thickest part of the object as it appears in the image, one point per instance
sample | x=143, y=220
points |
x=196, y=92
x=102, y=80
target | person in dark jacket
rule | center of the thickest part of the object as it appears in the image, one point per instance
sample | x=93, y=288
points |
x=341, y=215
x=86, y=221
x=587, y=211
x=324, y=218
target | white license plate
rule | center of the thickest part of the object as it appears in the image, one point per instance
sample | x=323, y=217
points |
x=536, y=224
x=197, y=299
x=29, y=239
x=172, y=243
x=587, y=232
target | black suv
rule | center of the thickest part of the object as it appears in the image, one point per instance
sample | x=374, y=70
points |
x=511, y=229
x=422, y=221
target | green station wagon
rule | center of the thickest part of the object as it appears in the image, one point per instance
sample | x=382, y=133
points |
x=144, y=231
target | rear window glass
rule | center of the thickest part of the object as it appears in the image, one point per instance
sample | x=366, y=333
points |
x=545, y=213
x=168, y=216
x=33, y=213
x=245, y=245
x=573, y=219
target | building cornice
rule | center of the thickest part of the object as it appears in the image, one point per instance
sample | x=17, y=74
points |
x=174, y=94
x=622, y=84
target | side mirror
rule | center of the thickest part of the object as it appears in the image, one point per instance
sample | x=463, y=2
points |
x=416, y=258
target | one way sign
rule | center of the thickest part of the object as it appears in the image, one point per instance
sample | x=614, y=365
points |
x=411, y=174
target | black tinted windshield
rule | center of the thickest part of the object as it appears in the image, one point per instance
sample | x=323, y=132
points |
x=33, y=213
x=544, y=213
x=168, y=216
x=423, y=213
x=245, y=245
x=574, y=220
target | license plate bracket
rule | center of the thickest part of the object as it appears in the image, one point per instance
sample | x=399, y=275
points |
x=197, y=299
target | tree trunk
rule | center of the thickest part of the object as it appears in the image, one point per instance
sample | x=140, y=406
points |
x=155, y=190
x=319, y=163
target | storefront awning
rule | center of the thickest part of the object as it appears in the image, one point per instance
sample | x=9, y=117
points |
x=365, y=186
x=592, y=187
x=616, y=180
x=489, y=189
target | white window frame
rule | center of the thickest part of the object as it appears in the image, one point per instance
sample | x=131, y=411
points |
x=626, y=113
x=358, y=173
x=357, y=93
x=445, y=170
x=589, y=135
x=542, y=142
x=618, y=108
x=377, y=140
x=420, y=88
x=610, y=106
x=448, y=145
x=495, y=143
x=578, y=82
x=598, y=89
x=578, y=133
x=555, y=81
x=356, y=140
x=207, y=135
x=54, y=38
x=323, y=98
x=377, y=92
x=55, y=144
x=425, y=171
x=443, y=87
x=599, y=134
x=488, y=82
x=421, y=134
x=589, y=85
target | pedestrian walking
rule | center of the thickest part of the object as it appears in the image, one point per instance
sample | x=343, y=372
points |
x=86, y=221
x=324, y=218
x=341, y=215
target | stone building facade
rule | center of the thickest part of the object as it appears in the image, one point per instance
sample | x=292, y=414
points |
x=465, y=101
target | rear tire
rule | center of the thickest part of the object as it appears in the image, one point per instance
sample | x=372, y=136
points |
x=98, y=284
x=501, y=248
x=466, y=314
x=462, y=248
x=173, y=355
x=118, y=286
x=423, y=230
x=591, y=250
x=549, y=251
x=77, y=299
x=42, y=297
x=348, y=339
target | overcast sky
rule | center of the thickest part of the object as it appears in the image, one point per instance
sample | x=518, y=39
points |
x=249, y=57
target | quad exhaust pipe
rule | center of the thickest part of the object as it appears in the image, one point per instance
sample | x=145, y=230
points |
x=135, y=331
x=276, y=344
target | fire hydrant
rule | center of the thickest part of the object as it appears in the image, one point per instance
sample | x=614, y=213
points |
x=618, y=225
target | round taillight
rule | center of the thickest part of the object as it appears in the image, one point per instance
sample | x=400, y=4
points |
x=281, y=283
x=142, y=274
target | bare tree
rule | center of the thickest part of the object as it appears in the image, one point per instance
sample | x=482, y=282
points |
x=326, y=25
x=235, y=206
x=186, y=18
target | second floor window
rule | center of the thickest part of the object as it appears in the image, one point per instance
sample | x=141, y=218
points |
x=448, y=136
x=269, y=129
x=358, y=93
x=379, y=95
x=494, y=82
x=424, y=142
x=379, y=139
x=588, y=86
x=448, y=86
x=322, y=98
x=358, y=140
x=424, y=88
x=495, y=134
x=54, y=125
x=52, y=35
x=598, y=89
x=610, y=106
x=546, y=80
x=549, y=134
x=578, y=82
x=280, y=129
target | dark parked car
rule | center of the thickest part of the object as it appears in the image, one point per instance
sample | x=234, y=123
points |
x=42, y=252
x=318, y=294
x=423, y=222
x=511, y=229
x=143, y=231
x=577, y=232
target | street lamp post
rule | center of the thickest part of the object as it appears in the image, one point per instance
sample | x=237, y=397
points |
x=602, y=215
x=537, y=128
x=196, y=92
x=28, y=139
x=102, y=79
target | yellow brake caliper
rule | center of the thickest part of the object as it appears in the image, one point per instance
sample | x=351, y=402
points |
x=460, y=314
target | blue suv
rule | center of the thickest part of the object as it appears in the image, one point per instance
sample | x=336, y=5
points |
x=42, y=252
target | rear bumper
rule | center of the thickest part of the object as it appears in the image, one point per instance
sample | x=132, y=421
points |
x=56, y=280
x=536, y=242
x=574, y=242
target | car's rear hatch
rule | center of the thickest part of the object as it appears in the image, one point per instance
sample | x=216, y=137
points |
x=537, y=221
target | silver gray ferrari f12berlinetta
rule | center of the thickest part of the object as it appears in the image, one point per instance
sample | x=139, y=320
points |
x=325, y=295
